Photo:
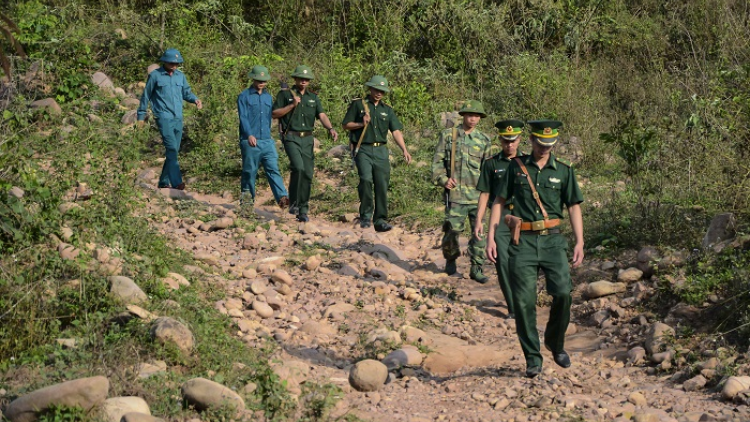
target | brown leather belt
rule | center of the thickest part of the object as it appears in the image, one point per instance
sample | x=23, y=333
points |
x=540, y=225
x=299, y=134
x=544, y=232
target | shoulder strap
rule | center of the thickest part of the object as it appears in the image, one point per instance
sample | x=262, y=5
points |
x=533, y=189
x=454, y=135
x=364, y=129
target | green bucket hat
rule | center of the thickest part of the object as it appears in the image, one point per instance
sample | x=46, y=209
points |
x=378, y=82
x=472, y=106
x=172, y=55
x=510, y=130
x=545, y=131
x=303, y=72
x=259, y=73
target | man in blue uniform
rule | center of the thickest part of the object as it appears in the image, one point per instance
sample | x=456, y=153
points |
x=257, y=146
x=166, y=89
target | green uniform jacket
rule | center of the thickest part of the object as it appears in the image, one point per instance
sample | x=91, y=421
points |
x=493, y=173
x=301, y=118
x=382, y=119
x=471, y=150
x=556, y=184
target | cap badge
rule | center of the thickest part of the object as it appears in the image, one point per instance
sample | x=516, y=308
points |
x=509, y=129
x=262, y=73
x=177, y=55
x=382, y=83
x=304, y=71
x=547, y=130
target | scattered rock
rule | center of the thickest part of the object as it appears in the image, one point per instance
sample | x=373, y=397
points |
x=722, y=227
x=339, y=151
x=655, y=338
x=84, y=393
x=116, y=407
x=103, y=82
x=604, y=288
x=368, y=375
x=263, y=309
x=312, y=263
x=168, y=330
x=405, y=356
x=16, y=192
x=130, y=117
x=68, y=251
x=630, y=275
x=637, y=399
x=221, y=223
x=694, y=384
x=47, y=104
x=125, y=289
x=733, y=386
x=139, y=417
x=281, y=276
x=206, y=394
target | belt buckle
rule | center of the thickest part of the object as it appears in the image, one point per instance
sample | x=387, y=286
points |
x=302, y=134
x=537, y=225
x=544, y=232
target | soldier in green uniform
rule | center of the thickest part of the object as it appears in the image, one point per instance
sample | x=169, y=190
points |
x=368, y=121
x=456, y=168
x=540, y=186
x=297, y=109
x=494, y=171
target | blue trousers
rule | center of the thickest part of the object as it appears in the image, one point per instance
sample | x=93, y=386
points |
x=171, y=135
x=264, y=153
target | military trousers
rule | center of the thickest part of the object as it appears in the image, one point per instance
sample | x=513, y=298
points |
x=263, y=153
x=454, y=225
x=302, y=166
x=548, y=253
x=374, y=176
x=171, y=136
x=502, y=244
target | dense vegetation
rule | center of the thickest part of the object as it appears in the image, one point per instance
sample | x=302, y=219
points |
x=653, y=93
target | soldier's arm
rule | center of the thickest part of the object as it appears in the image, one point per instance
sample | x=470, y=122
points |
x=280, y=108
x=481, y=207
x=146, y=96
x=328, y=126
x=497, y=211
x=399, y=138
x=187, y=93
x=439, y=173
x=576, y=223
x=350, y=118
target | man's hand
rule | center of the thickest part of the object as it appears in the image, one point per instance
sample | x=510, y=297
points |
x=297, y=100
x=334, y=134
x=252, y=141
x=366, y=119
x=478, y=230
x=451, y=183
x=199, y=104
x=491, y=250
x=407, y=156
x=577, y=255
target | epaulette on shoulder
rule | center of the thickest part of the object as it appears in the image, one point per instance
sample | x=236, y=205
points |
x=497, y=156
x=564, y=161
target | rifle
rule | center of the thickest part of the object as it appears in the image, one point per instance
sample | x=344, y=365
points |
x=285, y=87
x=454, y=135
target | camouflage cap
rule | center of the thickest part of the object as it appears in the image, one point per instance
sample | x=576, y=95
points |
x=545, y=131
x=472, y=106
x=510, y=130
x=378, y=82
x=172, y=55
x=303, y=72
x=259, y=73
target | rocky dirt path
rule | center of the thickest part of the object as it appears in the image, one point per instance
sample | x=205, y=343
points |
x=330, y=294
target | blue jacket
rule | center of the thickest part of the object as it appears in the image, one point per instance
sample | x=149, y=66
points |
x=165, y=94
x=255, y=114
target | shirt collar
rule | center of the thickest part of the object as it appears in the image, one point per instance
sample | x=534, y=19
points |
x=551, y=162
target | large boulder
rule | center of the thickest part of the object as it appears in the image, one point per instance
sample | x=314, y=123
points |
x=48, y=104
x=103, y=82
x=84, y=393
x=604, y=288
x=368, y=375
x=206, y=394
x=733, y=386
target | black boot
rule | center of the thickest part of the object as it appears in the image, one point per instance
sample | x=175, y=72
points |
x=450, y=267
x=476, y=274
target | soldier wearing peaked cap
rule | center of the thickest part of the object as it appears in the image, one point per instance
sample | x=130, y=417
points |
x=456, y=168
x=297, y=108
x=540, y=186
x=166, y=89
x=494, y=171
x=368, y=121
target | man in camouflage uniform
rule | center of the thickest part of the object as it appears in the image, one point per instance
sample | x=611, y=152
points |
x=494, y=171
x=455, y=167
x=541, y=186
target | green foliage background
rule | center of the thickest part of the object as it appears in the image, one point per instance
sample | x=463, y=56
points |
x=654, y=95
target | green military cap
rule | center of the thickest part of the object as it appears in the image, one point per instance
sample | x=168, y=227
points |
x=378, y=82
x=545, y=131
x=259, y=73
x=510, y=130
x=303, y=72
x=172, y=55
x=472, y=106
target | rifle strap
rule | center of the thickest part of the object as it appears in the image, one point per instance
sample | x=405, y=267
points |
x=289, y=124
x=454, y=135
x=533, y=189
